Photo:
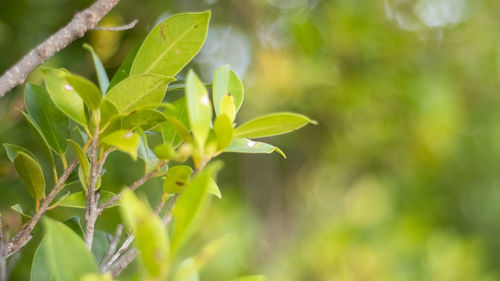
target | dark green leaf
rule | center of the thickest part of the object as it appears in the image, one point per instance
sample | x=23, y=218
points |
x=31, y=174
x=41, y=139
x=172, y=44
x=75, y=225
x=124, y=69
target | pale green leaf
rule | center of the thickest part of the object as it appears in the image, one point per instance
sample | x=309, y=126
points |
x=187, y=271
x=227, y=83
x=198, y=107
x=63, y=95
x=223, y=128
x=101, y=72
x=272, y=124
x=78, y=199
x=40, y=268
x=165, y=151
x=135, y=91
x=227, y=107
x=18, y=209
x=150, y=235
x=177, y=178
x=172, y=44
x=125, y=141
x=242, y=145
x=89, y=92
x=31, y=174
x=53, y=124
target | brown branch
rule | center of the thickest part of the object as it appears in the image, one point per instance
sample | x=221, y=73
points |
x=117, y=28
x=76, y=28
x=24, y=235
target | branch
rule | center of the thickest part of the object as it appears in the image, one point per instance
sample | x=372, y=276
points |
x=24, y=235
x=76, y=28
x=117, y=28
x=92, y=196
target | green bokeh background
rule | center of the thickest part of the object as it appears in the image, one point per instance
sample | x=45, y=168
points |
x=398, y=181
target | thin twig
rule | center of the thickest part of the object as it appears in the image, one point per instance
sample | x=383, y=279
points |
x=92, y=197
x=117, y=28
x=24, y=235
x=76, y=28
x=118, y=253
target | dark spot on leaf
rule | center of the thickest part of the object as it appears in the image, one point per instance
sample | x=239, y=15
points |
x=162, y=32
x=196, y=26
x=179, y=183
x=229, y=94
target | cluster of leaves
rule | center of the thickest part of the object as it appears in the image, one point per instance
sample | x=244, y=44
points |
x=122, y=114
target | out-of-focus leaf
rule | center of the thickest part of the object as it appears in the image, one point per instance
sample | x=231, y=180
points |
x=99, y=68
x=78, y=199
x=227, y=83
x=66, y=261
x=198, y=107
x=177, y=178
x=223, y=128
x=82, y=157
x=63, y=95
x=31, y=174
x=123, y=140
x=97, y=277
x=187, y=271
x=135, y=91
x=89, y=92
x=26, y=218
x=165, y=151
x=100, y=245
x=172, y=44
x=53, y=124
x=12, y=151
x=181, y=129
x=146, y=118
x=41, y=138
x=272, y=125
x=213, y=188
x=124, y=69
x=40, y=268
x=169, y=132
x=75, y=225
x=227, y=106
x=250, y=278
x=191, y=206
x=150, y=235
x=243, y=145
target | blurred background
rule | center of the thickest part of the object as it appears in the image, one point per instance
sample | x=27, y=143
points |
x=398, y=181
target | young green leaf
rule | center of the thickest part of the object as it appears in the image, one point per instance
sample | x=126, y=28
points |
x=227, y=84
x=169, y=132
x=84, y=180
x=223, y=128
x=227, y=107
x=31, y=174
x=135, y=91
x=63, y=95
x=53, y=124
x=123, y=140
x=89, y=92
x=181, y=129
x=124, y=69
x=18, y=209
x=150, y=235
x=63, y=262
x=78, y=199
x=213, y=188
x=165, y=151
x=82, y=157
x=198, y=107
x=177, y=178
x=242, y=145
x=41, y=139
x=13, y=150
x=172, y=44
x=191, y=207
x=101, y=72
x=272, y=125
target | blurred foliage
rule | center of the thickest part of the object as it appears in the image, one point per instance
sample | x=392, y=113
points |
x=398, y=181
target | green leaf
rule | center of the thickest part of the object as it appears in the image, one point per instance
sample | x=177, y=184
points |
x=75, y=225
x=108, y=111
x=249, y=146
x=25, y=218
x=78, y=199
x=13, y=150
x=165, y=151
x=66, y=261
x=135, y=91
x=172, y=44
x=150, y=235
x=187, y=271
x=145, y=118
x=272, y=125
x=145, y=153
x=31, y=174
x=191, y=207
x=223, y=128
x=98, y=277
x=41, y=138
x=82, y=157
x=213, y=188
x=124, y=69
x=177, y=178
x=53, y=124
x=99, y=68
x=125, y=141
x=198, y=107
x=89, y=93
x=168, y=130
x=227, y=107
x=227, y=83
x=100, y=245
x=250, y=278
x=63, y=95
